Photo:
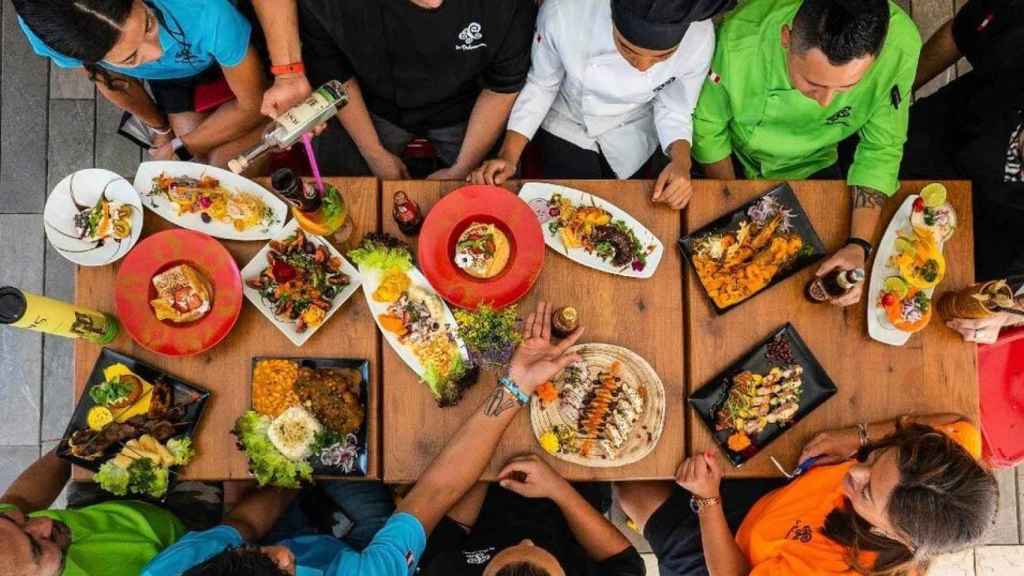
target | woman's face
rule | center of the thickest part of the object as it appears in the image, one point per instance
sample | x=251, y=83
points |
x=869, y=485
x=140, y=39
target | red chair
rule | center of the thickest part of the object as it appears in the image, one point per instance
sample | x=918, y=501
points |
x=1001, y=392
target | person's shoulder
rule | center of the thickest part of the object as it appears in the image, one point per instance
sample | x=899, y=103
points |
x=742, y=28
x=903, y=33
x=192, y=549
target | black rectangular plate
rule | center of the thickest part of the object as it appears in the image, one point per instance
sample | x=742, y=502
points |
x=182, y=392
x=802, y=226
x=817, y=388
x=363, y=367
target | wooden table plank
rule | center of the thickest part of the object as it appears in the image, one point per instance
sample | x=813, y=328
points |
x=645, y=316
x=934, y=372
x=226, y=369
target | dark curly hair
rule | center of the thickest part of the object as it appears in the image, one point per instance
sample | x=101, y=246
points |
x=843, y=29
x=247, y=560
x=944, y=502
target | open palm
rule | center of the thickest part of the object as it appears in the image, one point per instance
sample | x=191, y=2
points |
x=537, y=360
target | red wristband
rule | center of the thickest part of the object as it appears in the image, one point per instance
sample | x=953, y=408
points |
x=293, y=68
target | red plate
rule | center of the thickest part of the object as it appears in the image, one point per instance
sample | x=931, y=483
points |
x=134, y=289
x=450, y=217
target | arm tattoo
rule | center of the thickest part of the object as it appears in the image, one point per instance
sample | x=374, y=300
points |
x=498, y=402
x=867, y=198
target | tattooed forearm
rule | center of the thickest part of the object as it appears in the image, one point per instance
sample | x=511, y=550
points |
x=869, y=198
x=498, y=402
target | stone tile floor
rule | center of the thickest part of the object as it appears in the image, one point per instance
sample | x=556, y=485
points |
x=51, y=123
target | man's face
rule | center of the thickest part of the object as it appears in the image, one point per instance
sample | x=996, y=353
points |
x=33, y=546
x=814, y=76
x=428, y=4
x=640, y=58
x=525, y=551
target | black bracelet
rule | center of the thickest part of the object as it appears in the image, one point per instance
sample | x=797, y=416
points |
x=864, y=244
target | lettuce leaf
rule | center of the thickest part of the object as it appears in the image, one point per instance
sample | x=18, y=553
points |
x=113, y=478
x=267, y=464
x=182, y=450
x=381, y=254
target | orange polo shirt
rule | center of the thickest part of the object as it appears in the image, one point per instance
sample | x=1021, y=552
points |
x=781, y=535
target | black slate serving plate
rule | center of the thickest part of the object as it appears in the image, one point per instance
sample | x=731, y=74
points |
x=812, y=251
x=361, y=366
x=183, y=392
x=817, y=388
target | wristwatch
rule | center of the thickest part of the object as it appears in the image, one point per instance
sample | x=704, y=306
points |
x=180, y=149
x=864, y=244
x=699, y=504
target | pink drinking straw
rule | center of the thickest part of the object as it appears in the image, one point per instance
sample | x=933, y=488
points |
x=307, y=140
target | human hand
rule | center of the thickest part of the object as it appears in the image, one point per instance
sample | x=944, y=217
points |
x=287, y=91
x=846, y=258
x=701, y=475
x=164, y=151
x=537, y=360
x=387, y=166
x=531, y=477
x=832, y=446
x=982, y=330
x=494, y=172
x=453, y=173
x=673, y=186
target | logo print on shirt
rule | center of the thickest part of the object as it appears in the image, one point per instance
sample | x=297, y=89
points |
x=662, y=86
x=800, y=533
x=478, y=557
x=469, y=37
x=839, y=117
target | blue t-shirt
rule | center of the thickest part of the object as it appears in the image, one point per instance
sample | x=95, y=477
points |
x=194, y=34
x=394, y=551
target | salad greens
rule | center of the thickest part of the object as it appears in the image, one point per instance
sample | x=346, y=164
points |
x=449, y=388
x=331, y=203
x=268, y=465
x=381, y=252
x=182, y=450
x=110, y=392
x=142, y=477
x=491, y=335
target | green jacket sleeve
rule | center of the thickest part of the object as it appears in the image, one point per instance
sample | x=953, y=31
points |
x=876, y=163
x=711, y=139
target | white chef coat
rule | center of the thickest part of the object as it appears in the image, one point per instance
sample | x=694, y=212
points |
x=582, y=90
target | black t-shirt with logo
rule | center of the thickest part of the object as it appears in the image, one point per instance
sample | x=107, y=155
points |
x=506, y=519
x=419, y=68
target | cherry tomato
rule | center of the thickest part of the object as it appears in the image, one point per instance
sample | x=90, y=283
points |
x=888, y=299
x=919, y=204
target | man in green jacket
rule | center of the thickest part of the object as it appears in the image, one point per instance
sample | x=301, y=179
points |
x=111, y=538
x=790, y=80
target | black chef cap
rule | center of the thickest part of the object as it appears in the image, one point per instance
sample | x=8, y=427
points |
x=660, y=24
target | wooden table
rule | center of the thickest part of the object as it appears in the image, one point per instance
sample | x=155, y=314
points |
x=226, y=368
x=934, y=372
x=643, y=315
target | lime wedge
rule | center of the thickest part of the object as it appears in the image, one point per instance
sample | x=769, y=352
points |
x=896, y=286
x=904, y=246
x=934, y=195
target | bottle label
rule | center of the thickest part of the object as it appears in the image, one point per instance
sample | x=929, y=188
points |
x=305, y=116
x=62, y=319
x=816, y=290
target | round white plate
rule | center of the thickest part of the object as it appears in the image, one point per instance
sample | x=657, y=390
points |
x=166, y=210
x=536, y=190
x=81, y=190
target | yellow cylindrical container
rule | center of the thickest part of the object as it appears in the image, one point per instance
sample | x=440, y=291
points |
x=33, y=312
